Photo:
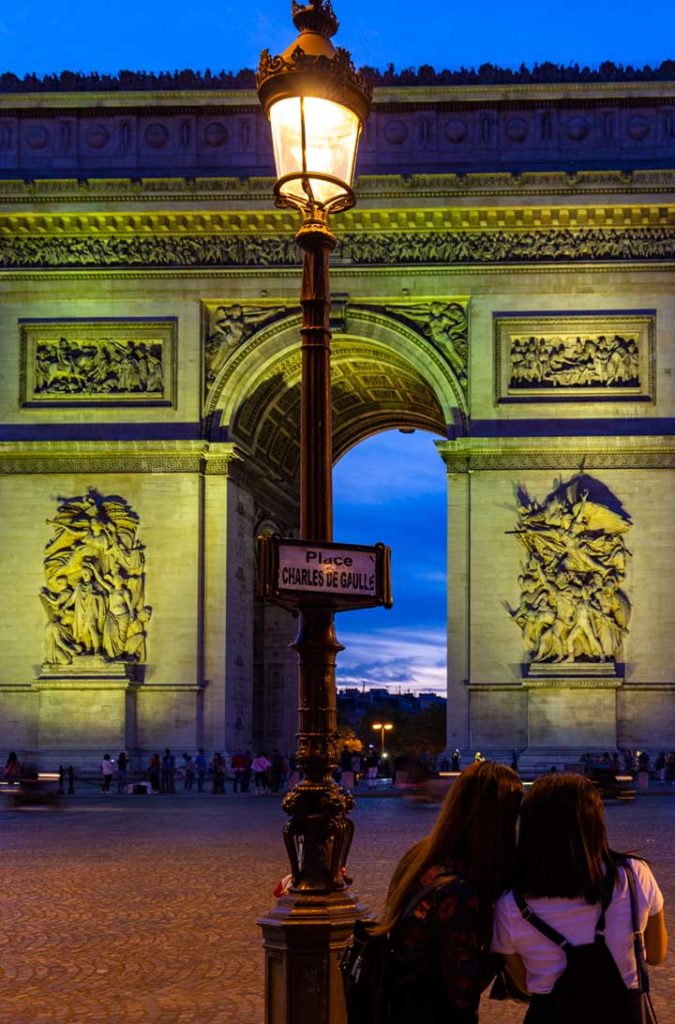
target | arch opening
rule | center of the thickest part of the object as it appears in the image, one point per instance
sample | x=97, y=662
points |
x=392, y=487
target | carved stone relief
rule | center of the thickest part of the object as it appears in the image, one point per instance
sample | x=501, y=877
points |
x=572, y=606
x=229, y=330
x=554, y=357
x=228, y=325
x=383, y=248
x=444, y=323
x=94, y=595
x=78, y=362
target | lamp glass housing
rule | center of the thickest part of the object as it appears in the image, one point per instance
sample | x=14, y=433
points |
x=314, y=136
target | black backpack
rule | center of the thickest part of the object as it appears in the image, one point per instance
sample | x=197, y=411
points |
x=373, y=972
x=590, y=989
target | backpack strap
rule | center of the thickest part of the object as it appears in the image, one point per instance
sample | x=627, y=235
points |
x=607, y=893
x=425, y=891
x=550, y=933
x=638, y=947
x=529, y=915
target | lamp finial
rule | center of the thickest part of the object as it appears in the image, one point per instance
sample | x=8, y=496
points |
x=315, y=16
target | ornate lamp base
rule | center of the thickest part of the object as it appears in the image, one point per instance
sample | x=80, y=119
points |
x=303, y=937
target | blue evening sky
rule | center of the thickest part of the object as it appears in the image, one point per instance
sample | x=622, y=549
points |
x=154, y=35
x=391, y=487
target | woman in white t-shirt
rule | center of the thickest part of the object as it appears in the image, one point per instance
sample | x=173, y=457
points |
x=566, y=873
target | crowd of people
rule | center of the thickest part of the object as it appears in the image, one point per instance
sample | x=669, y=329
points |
x=164, y=773
x=661, y=767
x=244, y=772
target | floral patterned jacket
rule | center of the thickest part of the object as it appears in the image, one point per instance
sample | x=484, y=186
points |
x=441, y=932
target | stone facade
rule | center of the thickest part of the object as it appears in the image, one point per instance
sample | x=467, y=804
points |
x=506, y=283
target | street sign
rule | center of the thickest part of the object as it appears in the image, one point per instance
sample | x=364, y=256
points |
x=295, y=573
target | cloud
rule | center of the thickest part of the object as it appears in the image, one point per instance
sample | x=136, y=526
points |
x=412, y=659
x=432, y=576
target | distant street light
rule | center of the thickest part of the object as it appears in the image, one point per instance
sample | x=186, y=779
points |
x=383, y=727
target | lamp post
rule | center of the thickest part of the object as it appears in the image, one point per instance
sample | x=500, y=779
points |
x=316, y=104
x=383, y=727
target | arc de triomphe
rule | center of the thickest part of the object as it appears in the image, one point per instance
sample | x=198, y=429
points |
x=505, y=283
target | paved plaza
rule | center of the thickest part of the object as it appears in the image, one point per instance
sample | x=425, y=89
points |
x=140, y=910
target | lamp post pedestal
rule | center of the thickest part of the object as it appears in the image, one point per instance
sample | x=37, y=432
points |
x=303, y=937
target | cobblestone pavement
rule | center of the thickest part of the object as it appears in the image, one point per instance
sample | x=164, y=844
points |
x=140, y=910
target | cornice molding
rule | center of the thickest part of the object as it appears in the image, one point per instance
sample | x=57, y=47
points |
x=635, y=688
x=273, y=223
x=368, y=187
x=386, y=272
x=466, y=455
x=168, y=91
x=138, y=99
x=116, y=457
x=23, y=457
x=508, y=92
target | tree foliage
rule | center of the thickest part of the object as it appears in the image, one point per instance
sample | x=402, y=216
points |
x=412, y=733
x=426, y=75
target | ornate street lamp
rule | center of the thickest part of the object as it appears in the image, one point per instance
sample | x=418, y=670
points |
x=316, y=103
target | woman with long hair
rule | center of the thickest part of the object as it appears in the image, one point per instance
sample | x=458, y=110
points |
x=568, y=878
x=438, y=911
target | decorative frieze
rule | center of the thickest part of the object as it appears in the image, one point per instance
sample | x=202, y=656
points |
x=467, y=455
x=404, y=236
x=384, y=249
x=555, y=357
x=126, y=361
x=422, y=127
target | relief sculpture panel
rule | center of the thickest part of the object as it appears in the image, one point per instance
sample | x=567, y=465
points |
x=553, y=358
x=94, y=594
x=227, y=326
x=77, y=362
x=572, y=604
x=445, y=324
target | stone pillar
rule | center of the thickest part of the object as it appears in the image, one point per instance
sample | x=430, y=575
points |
x=571, y=705
x=458, y=591
x=240, y=586
x=275, y=710
x=213, y=620
x=227, y=601
x=86, y=708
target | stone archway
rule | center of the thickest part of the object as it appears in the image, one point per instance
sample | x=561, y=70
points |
x=393, y=366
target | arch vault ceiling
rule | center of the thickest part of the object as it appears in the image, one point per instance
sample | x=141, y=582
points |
x=373, y=389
